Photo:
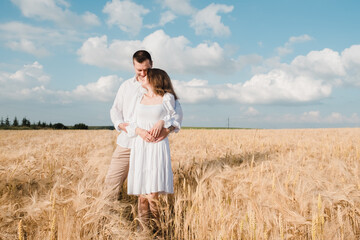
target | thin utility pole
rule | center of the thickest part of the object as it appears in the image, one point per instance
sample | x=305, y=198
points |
x=228, y=122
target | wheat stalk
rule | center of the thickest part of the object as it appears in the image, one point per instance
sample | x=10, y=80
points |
x=20, y=230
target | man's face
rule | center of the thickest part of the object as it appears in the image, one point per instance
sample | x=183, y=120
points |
x=141, y=69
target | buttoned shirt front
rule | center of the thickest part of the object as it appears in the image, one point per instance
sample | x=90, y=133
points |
x=123, y=107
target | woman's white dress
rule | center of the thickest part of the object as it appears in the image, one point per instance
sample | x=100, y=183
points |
x=150, y=164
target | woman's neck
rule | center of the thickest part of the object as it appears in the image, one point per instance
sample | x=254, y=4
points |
x=150, y=93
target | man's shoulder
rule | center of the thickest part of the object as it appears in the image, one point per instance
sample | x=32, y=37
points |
x=129, y=81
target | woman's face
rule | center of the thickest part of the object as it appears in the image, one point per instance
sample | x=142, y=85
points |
x=145, y=83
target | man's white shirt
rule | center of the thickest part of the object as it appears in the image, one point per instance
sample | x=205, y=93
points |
x=123, y=109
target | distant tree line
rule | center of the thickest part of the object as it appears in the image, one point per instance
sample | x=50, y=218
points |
x=26, y=124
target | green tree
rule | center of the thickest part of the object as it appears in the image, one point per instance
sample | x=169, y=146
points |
x=59, y=126
x=2, y=123
x=81, y=126
x=7, y=122
x=25, y=122
x=15, y=122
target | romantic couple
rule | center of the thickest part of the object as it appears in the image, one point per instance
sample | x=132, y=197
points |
x=145, y=111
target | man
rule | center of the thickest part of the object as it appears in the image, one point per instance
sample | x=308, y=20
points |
x=121, y=113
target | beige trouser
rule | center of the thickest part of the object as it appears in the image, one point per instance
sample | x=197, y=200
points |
x=118, y=170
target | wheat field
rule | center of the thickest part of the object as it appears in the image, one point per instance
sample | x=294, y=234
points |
x=229, y=184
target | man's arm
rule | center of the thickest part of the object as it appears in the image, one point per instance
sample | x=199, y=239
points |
x=117, y=109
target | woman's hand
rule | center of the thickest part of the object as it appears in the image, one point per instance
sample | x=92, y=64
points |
x=144, y=135
x=156, y=129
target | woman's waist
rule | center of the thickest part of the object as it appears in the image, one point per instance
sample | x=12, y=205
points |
x=147, y=125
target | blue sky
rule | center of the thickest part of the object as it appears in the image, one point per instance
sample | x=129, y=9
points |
x=262, y=64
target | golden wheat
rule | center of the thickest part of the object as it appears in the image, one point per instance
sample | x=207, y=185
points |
x=229, y=184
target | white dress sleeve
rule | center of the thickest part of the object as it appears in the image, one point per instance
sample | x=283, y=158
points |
x=172, y=117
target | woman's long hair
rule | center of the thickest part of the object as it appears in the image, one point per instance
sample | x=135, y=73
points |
x=160, y=81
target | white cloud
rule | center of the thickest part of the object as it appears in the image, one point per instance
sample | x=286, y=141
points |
x=28, y=47
x=17, y=30
x=322, y=64
x=54, y=11
x=351, y=60
x=288, y=46
x=333, y=118
x=117, y=55
x=299, y=39
x=312, y=116
x=104, y=89
x=183, y=8
x=166, y=17
x=251, y=112
x=30, y=74
x=275, y=86
x=173, y=54
x=193, y=91
x=127, y=15
x=34, y=40
x=29, y=83
x=307, y=78
x=208, y=20
x=17, y=85
x=252, y=59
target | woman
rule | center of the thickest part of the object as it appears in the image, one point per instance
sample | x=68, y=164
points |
x=150, y=172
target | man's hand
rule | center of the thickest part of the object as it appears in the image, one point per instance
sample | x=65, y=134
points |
x=156, y=129
x=123, y=126
x=145, y=135
x=163, y=134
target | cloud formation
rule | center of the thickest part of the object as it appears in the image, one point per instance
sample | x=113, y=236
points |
x=317, y=117
x=175, y=54
x=307, y=78
x=18, y=85
x=165, y=18
x=184, y=8
x=55, y=11
x=27, y=46
x=30, y=83
x=194, y=91
x=251, y=112
x=34, y=40
x=208, y=20
x=103, y=89
x=205, y=21
x=127, y=15
x=288, y=46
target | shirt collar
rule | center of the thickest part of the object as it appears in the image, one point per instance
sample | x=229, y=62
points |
x=135, y=81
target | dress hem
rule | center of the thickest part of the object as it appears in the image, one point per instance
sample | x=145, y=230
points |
x=159, y=192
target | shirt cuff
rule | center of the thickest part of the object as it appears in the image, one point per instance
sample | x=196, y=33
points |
x=117, y=126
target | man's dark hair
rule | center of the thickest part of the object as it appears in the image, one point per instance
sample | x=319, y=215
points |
x=141, y=56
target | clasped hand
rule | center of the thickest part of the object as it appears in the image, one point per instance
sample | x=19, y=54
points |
x=155, y=134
